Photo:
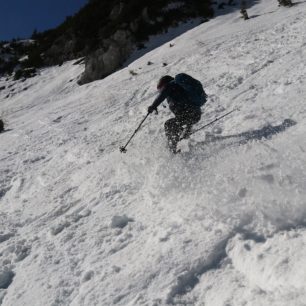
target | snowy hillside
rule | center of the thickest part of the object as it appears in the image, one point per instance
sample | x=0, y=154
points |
x=223, y=223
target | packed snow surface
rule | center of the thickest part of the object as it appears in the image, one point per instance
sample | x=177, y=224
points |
x=222, y=223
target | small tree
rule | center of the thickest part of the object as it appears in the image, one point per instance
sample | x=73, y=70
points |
x=243, y=11
x=34, y=58
x=1, y=126
x=18, y=74
x=34, y=34
x=285, y=3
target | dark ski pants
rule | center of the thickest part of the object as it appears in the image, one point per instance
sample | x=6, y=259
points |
x=180, y=126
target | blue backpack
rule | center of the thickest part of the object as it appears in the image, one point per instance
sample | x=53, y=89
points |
x=193, y=88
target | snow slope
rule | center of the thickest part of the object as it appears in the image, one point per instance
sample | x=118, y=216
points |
x=223, y=223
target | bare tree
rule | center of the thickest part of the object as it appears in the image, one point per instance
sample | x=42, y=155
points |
x=1, y=126
x=243, y=11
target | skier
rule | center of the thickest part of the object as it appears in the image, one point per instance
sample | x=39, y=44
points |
x=1, y=126
x=184, y=102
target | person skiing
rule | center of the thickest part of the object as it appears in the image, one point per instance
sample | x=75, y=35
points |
x=1, y=126
x=183, y=103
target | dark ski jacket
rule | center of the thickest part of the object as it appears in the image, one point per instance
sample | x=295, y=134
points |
x=177, y=99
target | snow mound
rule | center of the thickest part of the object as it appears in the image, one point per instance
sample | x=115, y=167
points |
x=273, y=265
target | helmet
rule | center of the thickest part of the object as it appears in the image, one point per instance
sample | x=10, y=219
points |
x=164, y=81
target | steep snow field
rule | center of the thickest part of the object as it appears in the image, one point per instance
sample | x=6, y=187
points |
x=223, y=223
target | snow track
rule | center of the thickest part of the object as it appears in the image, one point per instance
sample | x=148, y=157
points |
x=223, y=223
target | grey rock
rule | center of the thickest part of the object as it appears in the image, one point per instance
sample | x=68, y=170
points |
x=109, y=58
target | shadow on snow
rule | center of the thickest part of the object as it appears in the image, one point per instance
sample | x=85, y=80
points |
x=267, y=132
x=264, y=133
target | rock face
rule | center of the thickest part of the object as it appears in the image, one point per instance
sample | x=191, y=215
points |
x=132, y=24
x=104, y=32
x=60, y=51
x=106, y=60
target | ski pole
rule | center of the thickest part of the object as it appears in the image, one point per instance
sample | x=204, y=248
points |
x=123, y=149
x=217, y=119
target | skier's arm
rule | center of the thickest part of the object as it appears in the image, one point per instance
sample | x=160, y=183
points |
x=160, y=98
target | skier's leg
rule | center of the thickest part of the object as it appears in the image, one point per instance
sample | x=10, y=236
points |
x=173, y=130
x=188, y=120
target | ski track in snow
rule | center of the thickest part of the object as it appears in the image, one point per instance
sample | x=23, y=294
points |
x=223, y=223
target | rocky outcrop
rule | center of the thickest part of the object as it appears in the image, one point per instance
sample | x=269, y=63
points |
x=62, y=49
x=109, y=58
x=104, y=32
x=132, y=29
